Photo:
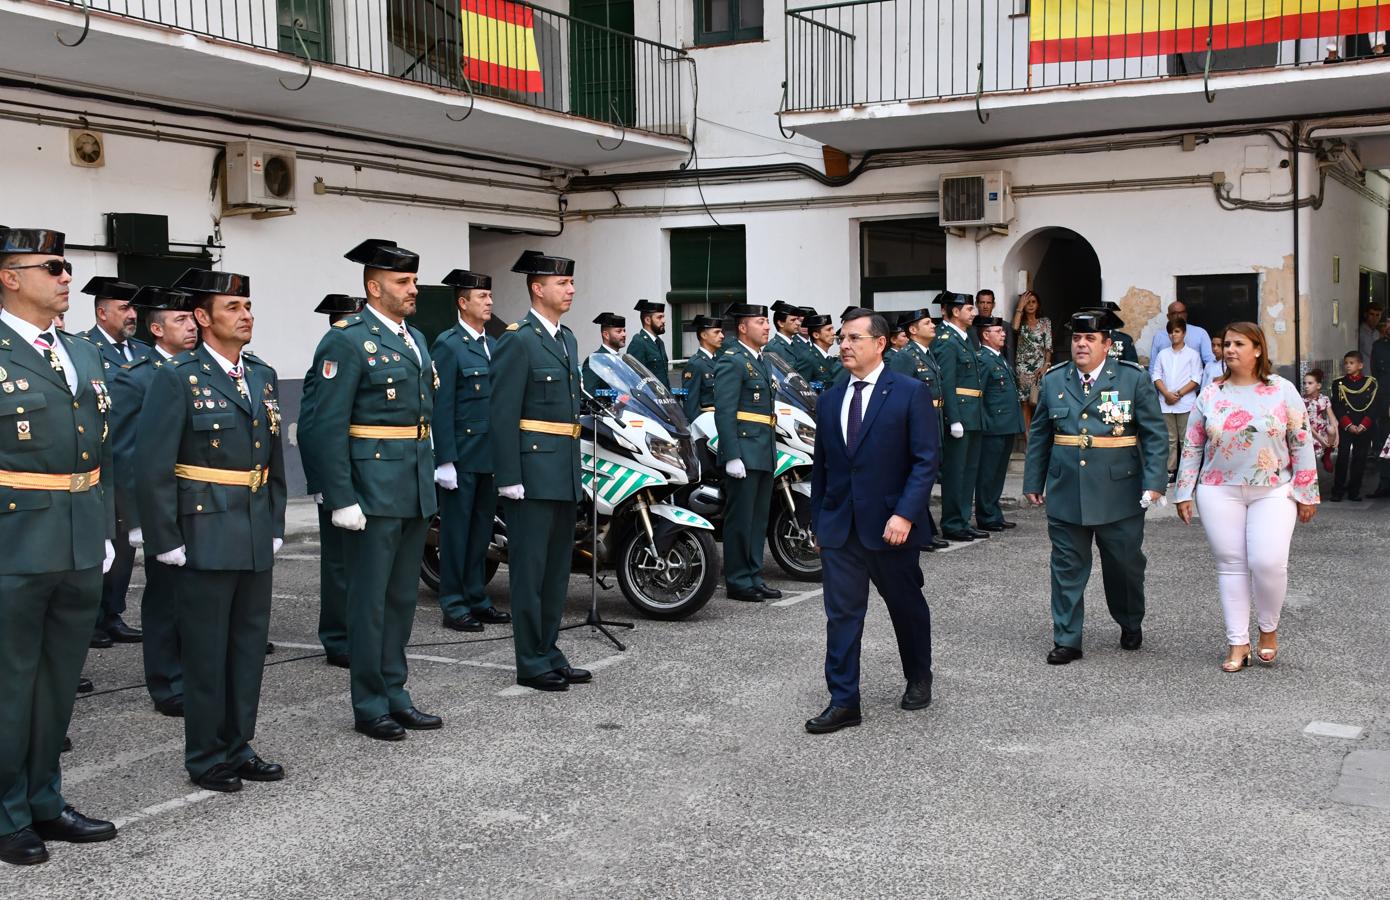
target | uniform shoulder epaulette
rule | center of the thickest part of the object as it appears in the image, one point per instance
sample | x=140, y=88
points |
x=186, y=356
x=514, y=326
x=1055, y=366
x=137, y=361
x=82, y=334
x=1133, y=365
x=341, y=323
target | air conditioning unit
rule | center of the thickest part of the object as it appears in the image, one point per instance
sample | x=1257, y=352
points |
x=981, y=199
x=260, y=175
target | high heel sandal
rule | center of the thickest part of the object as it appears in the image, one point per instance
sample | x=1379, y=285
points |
x=1234, y=662
x=1273, y=652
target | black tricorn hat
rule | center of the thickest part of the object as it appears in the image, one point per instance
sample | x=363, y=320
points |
x=152, y=296
x=104, y=287
x=610, y=320
x=375, y=253
x=899, y=323
x=1085, y=321
x=745, y=311
x=31, y=240
x=340, y=305
x=1114, y=314
x=648, y=306
x=914, y=315
x=815, y=320
x=951, y=300
x=781, y=309
x=468, y=281
x=534, y=262
x=989, y=321
x=700, y=323
x=203, y=281
x=854, y=312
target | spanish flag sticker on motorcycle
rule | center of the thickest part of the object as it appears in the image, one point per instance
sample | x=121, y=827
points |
x=330, y=368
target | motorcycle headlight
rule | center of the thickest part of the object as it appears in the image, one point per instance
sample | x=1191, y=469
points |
x=668, y=452
x=806, y=433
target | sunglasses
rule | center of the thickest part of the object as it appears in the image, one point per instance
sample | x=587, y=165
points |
x=54, y=267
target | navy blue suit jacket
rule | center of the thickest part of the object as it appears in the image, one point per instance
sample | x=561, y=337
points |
x=891, y=471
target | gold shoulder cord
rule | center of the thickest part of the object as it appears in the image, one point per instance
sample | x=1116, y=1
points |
x=1371, y=385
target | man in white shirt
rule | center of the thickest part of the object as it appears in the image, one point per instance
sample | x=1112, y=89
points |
x=1177, y=374
x=1197, y=336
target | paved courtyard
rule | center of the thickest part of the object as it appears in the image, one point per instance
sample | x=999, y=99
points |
x=683, y=770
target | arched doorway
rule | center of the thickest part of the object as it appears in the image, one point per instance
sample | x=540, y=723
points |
x=1064, y=271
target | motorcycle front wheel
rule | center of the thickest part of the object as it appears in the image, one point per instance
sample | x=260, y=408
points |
x=673, y=586
x=429, y=562
x=792, y=545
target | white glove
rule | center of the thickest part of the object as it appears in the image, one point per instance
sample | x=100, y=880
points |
x=318, y=498
x=110, y=558
x=513, y=492
x=957, y=430
x=350, y=518
x=136, y=538
x=736, y=469
x=447, y=477
x=1152, y=498
x=275, y=545
x=175, y=557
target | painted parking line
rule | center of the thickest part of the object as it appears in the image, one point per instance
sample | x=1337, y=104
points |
x=416, y=656
x=798, y=598
x=167, y=806
x=521, y=690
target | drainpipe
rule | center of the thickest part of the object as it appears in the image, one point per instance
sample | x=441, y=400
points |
x=1297, y=132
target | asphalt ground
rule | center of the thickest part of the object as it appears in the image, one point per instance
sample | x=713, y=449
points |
x=684, y=770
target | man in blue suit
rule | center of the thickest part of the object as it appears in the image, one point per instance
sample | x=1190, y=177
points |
x=871, y=481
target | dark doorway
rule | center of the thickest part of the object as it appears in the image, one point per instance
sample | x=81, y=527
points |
x=1067, y=278
x=603, y=74
x=1370, y=290
x=1215, y=301
x=902, y=264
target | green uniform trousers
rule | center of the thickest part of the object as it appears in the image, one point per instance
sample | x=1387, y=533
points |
x=333, y=585
x=383, y=588
x=1122, y=563
x=224, y=619
x=747, y=502
x=465, y=529
x=995, y=450
x=45, y=626
x=960, y=462
x=159, y=618
x=540, y=547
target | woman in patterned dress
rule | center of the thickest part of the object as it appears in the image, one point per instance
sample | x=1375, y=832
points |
x=1033, y=353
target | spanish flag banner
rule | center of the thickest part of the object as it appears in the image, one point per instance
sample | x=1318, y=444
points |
x=1075, y=30
x=499, y=45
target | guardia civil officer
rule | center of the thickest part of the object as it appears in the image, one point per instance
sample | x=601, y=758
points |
x=210, y=484
x=1003, y=421
x=647, y=347
x=786, y=343
x=823, y=363
x=612, y=330
x=113, y=335
x=57, y=521
x=698, y=378
x=744, y=420
x=1122, y=346
x=1097, y=446
x=333, y=562
x=169, y=317
x=367, y=436
x=916, y=360
x=897, y=337
x=463, y=455
x=960, y=395
x=535, y=454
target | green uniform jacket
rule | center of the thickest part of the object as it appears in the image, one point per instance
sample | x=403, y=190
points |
x=651, y=353
x=1124, y=347
x=742, y=383
x=591, y=381
x=960, y=370
x=534, y=378
x=129, y=384
x=44, y=429
x=1095, y=485
x=698, y=382
x=194, y=415
x=366, y=375
x=789, y=350
x=307, y=397
x=823, y=369
x=465, y=392
x=1003, y=413
x=110, y=359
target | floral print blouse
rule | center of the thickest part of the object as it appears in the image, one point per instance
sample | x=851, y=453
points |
x=1253, y=435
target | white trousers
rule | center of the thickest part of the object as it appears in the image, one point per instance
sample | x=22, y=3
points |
x=1249, y=529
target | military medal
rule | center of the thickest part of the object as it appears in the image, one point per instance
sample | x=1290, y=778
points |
x=22, y=383
x=192, y=379
x=435, y=370
x=9, y=388
x=3, y=374
x=390, y=393
x=369, y=346
x=272, y=414
x=371, y=360
x=23, y=428
x=395, y=357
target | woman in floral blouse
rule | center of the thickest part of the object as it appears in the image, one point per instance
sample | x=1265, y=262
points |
x=1249, y=438
x=1033, y=351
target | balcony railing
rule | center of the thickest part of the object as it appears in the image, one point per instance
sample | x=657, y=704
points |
x=490, y=48
x=872, y=51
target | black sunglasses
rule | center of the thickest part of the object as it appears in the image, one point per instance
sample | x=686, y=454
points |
x=54, y=267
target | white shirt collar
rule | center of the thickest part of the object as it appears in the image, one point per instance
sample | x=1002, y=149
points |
x=24, y=328
x=824, y=352
x=954, y=327
x=757, y=354
x=551, y=328
x=475, y=335
x=871, y=378
x=648, y=333
x=164, y=353
x=385, y=320
x=990, y=349
x=221, y=360
x=106, y=334
x=706, y=352
x=1094, y=373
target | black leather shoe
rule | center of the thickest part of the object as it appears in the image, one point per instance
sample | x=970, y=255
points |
x=341, y=660
x=220, y=778
x=753, y=596
x=575, y=676
x=23, y=848
x=977, y=533
x=465, y=622
x=269, y=647
x=171, y=707
x=122, y=633
x=74, y=828
x=383, y=728
x=769, y=593
x=101, y=640
x=939, y=544
x=67, y=744
x=85, y=686
x=1336, y=497
x=1131, y=638
x=1060, y=656
x=917, y=695
x=991, y=527
x=414, y=719
x=960, y=537
x=257, y=769
x=546, y=681
x=833, y=718
x=1007, y=524
x=490, y=616
x=1354, y=498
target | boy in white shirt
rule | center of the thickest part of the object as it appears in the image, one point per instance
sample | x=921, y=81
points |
x=1177, y=373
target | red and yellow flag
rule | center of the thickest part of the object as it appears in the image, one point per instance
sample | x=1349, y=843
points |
x=499, y=45
x=1072, y=30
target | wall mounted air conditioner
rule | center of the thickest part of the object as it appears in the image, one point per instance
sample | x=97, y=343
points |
x=981, y=199
x=261, y=175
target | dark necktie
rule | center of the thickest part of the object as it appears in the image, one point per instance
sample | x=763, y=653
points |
x=856, y=416
x=560, y=339
x=122, y=350
x=45, y=342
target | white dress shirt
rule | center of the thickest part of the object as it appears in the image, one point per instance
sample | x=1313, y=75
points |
x=1175, y=368
x=757, y=354
x=227, y=366
x=396, y=328
x=864, y=394
x=30, y=333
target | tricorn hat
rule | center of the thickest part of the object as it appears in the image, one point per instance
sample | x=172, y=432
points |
x=31, y=240
x=1114, y=314
x=899, y=323
x=610, y=320
x=815, y=320
x=781, y=309
x=914, y=315
x=375, y=253
x=983, y=322
x=104, y=287
x=700, y=323
x=648, y=306
x=154, y=297
x=340, y=305
x=854, y=312
x=952, y=300
x=1085, y=321
x=534, y=262
x=203, y=281
x=745, y=311
x=468, y=281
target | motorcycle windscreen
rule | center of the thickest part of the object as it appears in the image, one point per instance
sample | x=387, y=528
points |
x=792, y=389
x=635, y=388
